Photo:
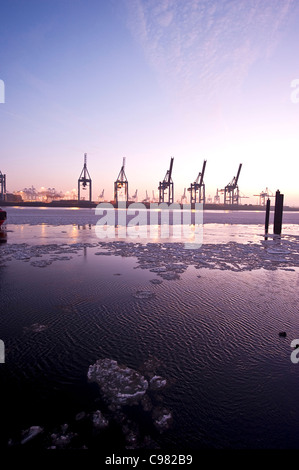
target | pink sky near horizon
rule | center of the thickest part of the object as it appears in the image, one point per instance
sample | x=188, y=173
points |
x=147, y=80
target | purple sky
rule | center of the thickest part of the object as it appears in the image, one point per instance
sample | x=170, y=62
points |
x=147, y=80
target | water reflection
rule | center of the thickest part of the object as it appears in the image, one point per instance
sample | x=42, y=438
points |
x=3, y=236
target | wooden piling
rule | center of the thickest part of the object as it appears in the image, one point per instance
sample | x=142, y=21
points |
x=278, y=213
x=267, y=218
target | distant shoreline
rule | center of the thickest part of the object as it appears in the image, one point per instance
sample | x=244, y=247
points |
x=93, y=205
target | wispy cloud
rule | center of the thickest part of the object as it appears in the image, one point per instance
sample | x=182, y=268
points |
x=201, y=47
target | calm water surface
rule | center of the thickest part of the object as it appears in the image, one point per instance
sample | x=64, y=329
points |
x=231, y=383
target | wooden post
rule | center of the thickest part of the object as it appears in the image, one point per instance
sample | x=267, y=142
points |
x=267, y=218
x=278, y=213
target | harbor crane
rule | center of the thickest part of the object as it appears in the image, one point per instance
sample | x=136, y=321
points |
x=231, y=191
x=147, y=198
x=242, y=196
x=2, y=186
x=154, y=199
x=134, y=197
x=184, y=197
x=84, y=180
x=217, y=197
x=197, y=189
x=166, y=186
x=263, y=196
x=101, y=196
x=121, y=183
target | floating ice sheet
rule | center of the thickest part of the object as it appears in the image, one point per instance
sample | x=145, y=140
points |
x=165, y=260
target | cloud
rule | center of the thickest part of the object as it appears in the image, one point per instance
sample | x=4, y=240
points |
x=201, y=47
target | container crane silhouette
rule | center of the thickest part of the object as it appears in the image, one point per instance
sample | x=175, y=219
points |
x=263, y=196
x=84, y=180
x=167, y=185
x=121, y=183
x=231, y=191
x=197, y=189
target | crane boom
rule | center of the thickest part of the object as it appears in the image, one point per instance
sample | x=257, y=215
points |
x=238, y=174
x=167, y=185
x=170, y=170
x=202, y=172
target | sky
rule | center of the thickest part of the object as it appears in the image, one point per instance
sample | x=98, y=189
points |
x=149, y=80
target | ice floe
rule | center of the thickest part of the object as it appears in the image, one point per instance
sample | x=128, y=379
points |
x=157, y=382
x=63, y=438
x=166, y=260
x=156, y=281
x=162, y=418
x=99, y=421
x=119, y=384
x=121, y=387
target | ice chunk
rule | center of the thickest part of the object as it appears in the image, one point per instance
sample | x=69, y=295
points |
x=81, y=415
x=62, y=439
x=162, y=418
x=156, y=281
x=158, y=269
x=120, y=385
x=157, y=382
x=99, y=421
x=31, y=433
x=170, y=276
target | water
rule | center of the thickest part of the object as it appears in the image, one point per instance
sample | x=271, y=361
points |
x=214, y=329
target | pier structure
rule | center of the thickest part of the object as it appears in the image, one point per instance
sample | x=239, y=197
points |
x=2, y=186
